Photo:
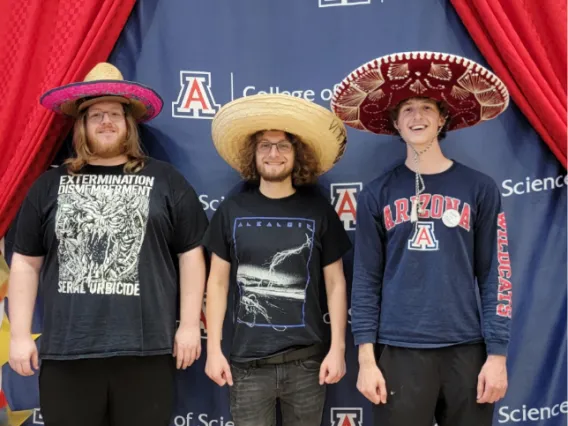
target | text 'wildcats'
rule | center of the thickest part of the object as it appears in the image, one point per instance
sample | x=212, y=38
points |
x=505, y=290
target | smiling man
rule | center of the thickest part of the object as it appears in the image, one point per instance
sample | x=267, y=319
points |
x=431, y=235
x=100, y=238
x=278, y=243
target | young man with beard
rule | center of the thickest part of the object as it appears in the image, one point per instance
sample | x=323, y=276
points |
x=101, y=238
x=278, y=243
x=431, y=234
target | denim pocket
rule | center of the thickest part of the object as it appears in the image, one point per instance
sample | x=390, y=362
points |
x=240, y=372
x=310, y=364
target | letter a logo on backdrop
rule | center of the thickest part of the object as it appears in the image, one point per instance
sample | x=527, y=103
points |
x=195, y=99
x=344, y=200
x=346, y=417
x=37, y=417
x=329, y=3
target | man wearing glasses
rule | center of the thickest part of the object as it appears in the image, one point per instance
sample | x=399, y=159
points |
x=101, y=238
x=280, y=246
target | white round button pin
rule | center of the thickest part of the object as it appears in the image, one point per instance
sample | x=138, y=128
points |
x=451, y=218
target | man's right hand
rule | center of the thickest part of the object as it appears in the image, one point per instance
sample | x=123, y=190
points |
x=371, y=383
x=217, y=368
x=23, y=355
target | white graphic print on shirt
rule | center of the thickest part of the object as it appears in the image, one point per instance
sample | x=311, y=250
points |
x=273, y=270
x=100, y=224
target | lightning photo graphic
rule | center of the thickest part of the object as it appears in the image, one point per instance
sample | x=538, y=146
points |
x=273, y=276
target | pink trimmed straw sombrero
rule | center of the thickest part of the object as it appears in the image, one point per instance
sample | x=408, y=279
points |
x=104, y=83
x=472, y=93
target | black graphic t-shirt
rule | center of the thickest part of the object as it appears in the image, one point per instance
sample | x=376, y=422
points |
x=110, y=241
x=277, y=249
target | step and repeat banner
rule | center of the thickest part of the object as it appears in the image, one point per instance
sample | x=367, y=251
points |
x=201, y=54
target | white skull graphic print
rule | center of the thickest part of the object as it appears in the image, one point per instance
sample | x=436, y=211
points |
x=100, y=224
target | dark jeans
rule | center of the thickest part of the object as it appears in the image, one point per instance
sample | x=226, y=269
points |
x=256, y=389
x=423, y=384
x=118, y=391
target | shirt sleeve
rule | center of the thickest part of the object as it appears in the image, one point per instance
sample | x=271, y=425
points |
x=190, y=222
x=368, y=269
x=493, y=270
x=335, y=240
x=29, y=234
x=216, y=239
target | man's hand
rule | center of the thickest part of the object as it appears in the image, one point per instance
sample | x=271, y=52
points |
x=23, y=355
x=371, y=383
x=333, y=367
x=217, y=368
x=492, y=380
x=187, y=346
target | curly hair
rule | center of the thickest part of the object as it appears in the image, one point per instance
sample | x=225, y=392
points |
x=131, y=146
x=442, y=109
x=306, y=164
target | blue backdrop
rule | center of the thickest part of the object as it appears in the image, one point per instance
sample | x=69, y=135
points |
x=201, y=54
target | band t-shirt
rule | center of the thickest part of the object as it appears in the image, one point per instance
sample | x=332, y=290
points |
x=109, y=281
x=277, y=249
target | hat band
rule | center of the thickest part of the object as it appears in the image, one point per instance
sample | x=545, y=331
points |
x=83, y=103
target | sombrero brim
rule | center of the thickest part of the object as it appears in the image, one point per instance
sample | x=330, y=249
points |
x=313, y=124
x=146, y=103
x=472, y=93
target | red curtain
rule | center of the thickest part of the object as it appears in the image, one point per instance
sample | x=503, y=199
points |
x=44, y=44
x=524, y=41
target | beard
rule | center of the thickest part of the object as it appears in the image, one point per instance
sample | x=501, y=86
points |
x=280, y=177
x=106, y=149
x=270, y=176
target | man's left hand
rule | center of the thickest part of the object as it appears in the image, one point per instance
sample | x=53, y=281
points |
x=492, y=380
x=187, y=346
x=333, y=367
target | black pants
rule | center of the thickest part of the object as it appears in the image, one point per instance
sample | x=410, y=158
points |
x=117, y=391
x=427, y=384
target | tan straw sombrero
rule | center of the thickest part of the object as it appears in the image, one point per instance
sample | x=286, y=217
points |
x=104, y=83
x=313, y=124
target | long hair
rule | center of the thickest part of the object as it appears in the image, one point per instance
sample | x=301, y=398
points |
x=130, y=147
x=306, y=164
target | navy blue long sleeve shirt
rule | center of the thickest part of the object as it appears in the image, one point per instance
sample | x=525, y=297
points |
x=415, y=284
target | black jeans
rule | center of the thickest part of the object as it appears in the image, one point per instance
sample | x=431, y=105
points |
x=423, y=384
x=255, y=391
x=118, y=391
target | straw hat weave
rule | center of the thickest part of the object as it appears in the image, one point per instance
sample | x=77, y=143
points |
x=313, y=124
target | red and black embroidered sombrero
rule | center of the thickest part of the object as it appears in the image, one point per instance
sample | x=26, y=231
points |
x=472, y=93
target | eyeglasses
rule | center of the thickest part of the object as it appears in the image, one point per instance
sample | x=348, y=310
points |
x=97, y=117
x=282, y=147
